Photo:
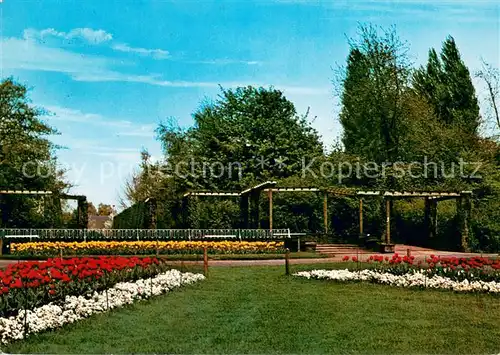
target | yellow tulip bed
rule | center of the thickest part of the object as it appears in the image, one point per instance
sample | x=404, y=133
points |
x=144, y=247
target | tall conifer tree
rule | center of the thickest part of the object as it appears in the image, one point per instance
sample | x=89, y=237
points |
x=447, y=85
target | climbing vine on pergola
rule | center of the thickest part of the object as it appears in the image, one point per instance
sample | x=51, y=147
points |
x=250, y=207
x=82, y=215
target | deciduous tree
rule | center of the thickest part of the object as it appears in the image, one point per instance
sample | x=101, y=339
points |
x=27, y=160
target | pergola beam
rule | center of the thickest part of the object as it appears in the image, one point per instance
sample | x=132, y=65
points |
x=368, y=193
x=221, y=194
x=293, y=189
x=254, y=194
x=423, y=194
x=24, y=192
x=73, y=197
x=342, y=191
x=432, y=198
x=258, y=187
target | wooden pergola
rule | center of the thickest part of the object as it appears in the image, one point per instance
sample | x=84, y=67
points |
x=464, y=207
x=249, y=205
x=82, y=215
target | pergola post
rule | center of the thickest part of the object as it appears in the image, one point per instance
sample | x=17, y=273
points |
x=270, y=195
x=325, y=211
x=78, y=214
x=255, y=208
x=434, y=218
x=56, y=202
x=152, y=213
x=185, y=212
x=194, y=220
x=244, y=211
x=82, y=213
x=430, y=217
x=427, y=218
x=361, y=231
x=85, y=217
x=464, y=207
x=388, y=221
x=251, y=196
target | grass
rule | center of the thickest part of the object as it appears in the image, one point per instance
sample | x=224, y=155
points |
x=259, y=310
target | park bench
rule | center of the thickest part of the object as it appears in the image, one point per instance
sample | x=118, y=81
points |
x=9, y=237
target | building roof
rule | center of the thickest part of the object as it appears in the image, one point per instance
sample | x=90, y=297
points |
x=99, y=222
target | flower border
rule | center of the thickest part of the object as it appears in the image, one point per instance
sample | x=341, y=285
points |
x=411, y=279
x=74, y=308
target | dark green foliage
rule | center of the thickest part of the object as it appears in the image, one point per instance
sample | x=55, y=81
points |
x=408, y=225
x=434, y=118
x=208, y=213
x=134, y=217
x=27, y=161
x=301, y=212
x=486, y=225
x=391, y=114
x=372, y=95
x=446, y=83
x=232, y=133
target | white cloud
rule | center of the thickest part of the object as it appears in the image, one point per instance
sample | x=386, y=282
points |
x=88, y=35
x=154, y=53
x=92, y=36
x=27, y=54
x=92, y=146
x=157, y=81
x=227, y=62
x=71, y=115
x=117, y=127
x=146, y=79
x=147, y=130
x=480, y=11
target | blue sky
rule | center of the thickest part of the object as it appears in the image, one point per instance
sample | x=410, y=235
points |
x=110, y=71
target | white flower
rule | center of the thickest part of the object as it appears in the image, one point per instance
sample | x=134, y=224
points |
x=73, y=308
x=414, y=278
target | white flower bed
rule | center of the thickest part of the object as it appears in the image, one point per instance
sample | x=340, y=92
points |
x=412, y=279
x=74, y=308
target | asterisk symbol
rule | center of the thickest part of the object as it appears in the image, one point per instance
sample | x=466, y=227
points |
x=262, y=162
x=281, y=162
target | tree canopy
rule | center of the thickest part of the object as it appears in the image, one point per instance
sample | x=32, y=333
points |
x=392, y=114
x=447, y=85
x=27, y=160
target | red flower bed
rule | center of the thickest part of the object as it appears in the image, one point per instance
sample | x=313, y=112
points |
x=31, y=284
x=474, y=268
x=475, y=262
x=395, y=259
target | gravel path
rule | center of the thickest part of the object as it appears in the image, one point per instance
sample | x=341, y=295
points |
x=418, y=252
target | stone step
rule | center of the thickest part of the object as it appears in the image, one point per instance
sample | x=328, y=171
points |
x=338, y=249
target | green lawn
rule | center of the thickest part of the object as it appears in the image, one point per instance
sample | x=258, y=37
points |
x=259, y=310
